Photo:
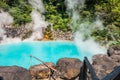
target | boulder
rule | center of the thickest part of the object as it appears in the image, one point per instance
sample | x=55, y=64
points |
x=69, y=68
x=41, y=71
x=14, y=73
x=116, y=59
x=114, y=53
x=113, y=50
x=103, y=65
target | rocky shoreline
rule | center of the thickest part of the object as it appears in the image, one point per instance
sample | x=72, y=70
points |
x=25, y=33
x=65, y=69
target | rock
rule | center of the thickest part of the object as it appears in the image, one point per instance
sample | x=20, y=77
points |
x=114, y=54
x=14, y=73
x=116, y=59
x=21, y=32
x=62, y=35
x=103, y=65
x=113, y=50
x=1, y=38
x=41, y=71
x=69, y=67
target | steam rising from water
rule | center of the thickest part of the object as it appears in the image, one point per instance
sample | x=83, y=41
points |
x=83, y=30
x=37, y=5
x=38, y=19
x=38, y=23
x=6, y=20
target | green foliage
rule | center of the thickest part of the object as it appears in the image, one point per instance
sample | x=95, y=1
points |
x=3, y=5
x=109, y=12
x=20, y=14
x=114, y=43
x=19, y=9
x=56, y=14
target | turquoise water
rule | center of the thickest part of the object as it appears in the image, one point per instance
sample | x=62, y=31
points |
x=19, y=53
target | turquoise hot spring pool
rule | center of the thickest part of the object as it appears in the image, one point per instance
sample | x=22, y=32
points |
x=19, y=53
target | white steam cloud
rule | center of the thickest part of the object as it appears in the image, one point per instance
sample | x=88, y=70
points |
x=6, y=20
x=72, y=4
x=38, y=19
x=37, y=5
x=83, y=30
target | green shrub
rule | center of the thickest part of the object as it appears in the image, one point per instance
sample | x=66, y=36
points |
x=21, y=16
x=3, y=5
x=19, y=9
x=56, y=14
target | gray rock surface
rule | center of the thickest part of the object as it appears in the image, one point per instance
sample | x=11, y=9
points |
x=69, y=67
x=113, y=50
x=14, y=73
x=60, y=35
x=114, y=54
x=103, y=65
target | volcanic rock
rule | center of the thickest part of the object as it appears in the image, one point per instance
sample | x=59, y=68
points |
x=21, y=32
x=14, y=73
x=41, y=71
x=103, y=65
x=69, y=68
x=113, y=50
x=61, y=35
x=114, y=54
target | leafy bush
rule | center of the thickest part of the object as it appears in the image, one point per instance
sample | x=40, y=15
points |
x=21, y=16
x=56, y=14
x=19, y=9
x=3, y=5
x=109, y=12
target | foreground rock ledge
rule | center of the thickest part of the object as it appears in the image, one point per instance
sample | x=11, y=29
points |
x=14, y=73
x=66, y=69
x=41, y=71
x=106, y=63
x=69, y=67
x=102, y=63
